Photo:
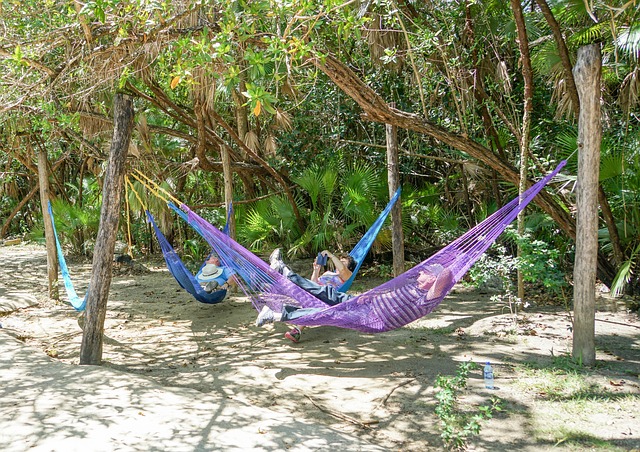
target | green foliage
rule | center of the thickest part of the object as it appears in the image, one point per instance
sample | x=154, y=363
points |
x=76, y=226
x=177, y=54
x=339, y=204
x=459, y=426
x=269, y=223
x=539, y=263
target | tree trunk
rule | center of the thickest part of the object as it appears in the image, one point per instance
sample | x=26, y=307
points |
x=228, y=189
x=397, y=239
x=98, y=292
x=527, y=75
x=465, y=194
x=52, y=257
x=587, y=73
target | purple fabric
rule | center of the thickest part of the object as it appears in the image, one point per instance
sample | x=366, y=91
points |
x=391, y=305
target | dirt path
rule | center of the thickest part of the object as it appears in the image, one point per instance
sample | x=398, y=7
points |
x=377, y=388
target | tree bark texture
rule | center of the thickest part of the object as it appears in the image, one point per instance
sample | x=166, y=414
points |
x=397, y=238
x=587, y=73
x=52, y=257
x=98, y=292
x=376, y=109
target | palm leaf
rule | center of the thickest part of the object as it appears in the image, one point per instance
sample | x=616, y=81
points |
x=629, y=41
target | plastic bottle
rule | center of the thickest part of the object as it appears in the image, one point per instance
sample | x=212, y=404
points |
x=488, y=376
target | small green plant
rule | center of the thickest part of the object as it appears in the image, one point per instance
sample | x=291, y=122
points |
x=497, y=268
x=458, y=425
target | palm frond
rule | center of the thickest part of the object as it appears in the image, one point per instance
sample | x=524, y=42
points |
x=611, y=166
x=629, y=41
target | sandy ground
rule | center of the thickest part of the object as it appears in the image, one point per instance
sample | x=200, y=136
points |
x=181, y=375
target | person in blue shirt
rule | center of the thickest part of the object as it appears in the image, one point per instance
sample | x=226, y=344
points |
x=214, y=276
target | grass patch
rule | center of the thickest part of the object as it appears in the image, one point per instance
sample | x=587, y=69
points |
x=570, y=397
x=576, y=440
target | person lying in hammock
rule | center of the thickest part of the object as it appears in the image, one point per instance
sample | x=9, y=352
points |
x=214, y=276
x=322, y=286
x=435, y=282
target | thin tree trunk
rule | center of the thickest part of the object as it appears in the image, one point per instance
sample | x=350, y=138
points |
x=228, y=189
x=527, y=75
x=98, y=293
x=52, y=257
x=587, y=73
x=397, y=239
x=465, y=194
x=563, y=52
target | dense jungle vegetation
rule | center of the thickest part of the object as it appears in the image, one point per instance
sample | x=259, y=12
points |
x=298, y=94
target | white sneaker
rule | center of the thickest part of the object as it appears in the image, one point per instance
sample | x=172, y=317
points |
x=265, y=316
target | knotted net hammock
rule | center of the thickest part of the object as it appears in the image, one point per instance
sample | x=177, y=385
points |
x=389, y=306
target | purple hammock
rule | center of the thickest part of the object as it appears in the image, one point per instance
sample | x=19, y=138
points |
x=389, y=306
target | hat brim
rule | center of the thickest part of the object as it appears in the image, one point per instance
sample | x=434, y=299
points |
x=210, y=272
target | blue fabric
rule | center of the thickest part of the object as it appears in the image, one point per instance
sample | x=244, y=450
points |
x=225, y=230
x=328, y=294
x=229, y=213
x=359, y=252
x=78, y=303
x=290, y=313
x=180, y=272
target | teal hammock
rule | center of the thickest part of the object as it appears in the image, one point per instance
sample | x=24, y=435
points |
x=78, y=303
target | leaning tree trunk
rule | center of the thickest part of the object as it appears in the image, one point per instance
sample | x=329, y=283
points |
x=563, y=52
x=98, y=294
x=52, y=258
x=587, y=73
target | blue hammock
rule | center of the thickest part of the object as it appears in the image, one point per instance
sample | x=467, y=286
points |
x=358, y=253
x=181, y=273
x=78, y=303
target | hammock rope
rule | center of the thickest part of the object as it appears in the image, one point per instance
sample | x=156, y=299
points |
x=78, y=303
x=389, y=306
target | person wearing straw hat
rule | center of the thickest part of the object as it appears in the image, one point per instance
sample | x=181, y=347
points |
x=214, y=276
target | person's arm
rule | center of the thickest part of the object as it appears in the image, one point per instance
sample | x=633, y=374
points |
x=341, y=269
x=316, y=271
